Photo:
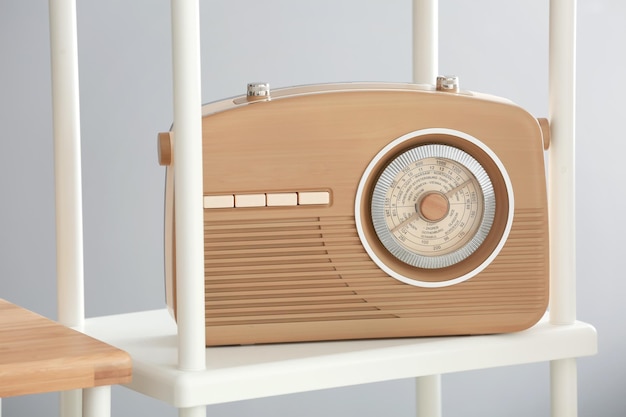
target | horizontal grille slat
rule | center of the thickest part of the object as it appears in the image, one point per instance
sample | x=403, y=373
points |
x=367, y=314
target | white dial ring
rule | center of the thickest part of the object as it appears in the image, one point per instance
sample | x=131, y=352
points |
x=417, y=276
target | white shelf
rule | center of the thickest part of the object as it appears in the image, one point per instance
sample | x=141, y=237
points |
x=246, y=372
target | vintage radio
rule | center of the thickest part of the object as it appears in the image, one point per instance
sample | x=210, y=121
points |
x=350, y=211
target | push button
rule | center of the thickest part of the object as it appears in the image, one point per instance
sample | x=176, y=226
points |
x=219, y=201
x=249, y=200
x=313, y=197
x=282, y=199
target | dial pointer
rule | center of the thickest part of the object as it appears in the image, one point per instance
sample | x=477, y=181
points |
x=458, y=187
x=405, y=222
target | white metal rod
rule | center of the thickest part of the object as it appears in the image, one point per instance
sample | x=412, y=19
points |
x=562, y=98
x=97, y=402
x=71, y=403
x=563, y=388
x=562, y=110
x=67, y=165
x=425, y=67
x=428, y=399
x=199, y=411
x=67, y=173
x=425, y=41
x=188, y=184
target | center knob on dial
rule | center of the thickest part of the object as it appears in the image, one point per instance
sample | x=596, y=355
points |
x=433, y=206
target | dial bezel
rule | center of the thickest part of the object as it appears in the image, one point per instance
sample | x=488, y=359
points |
x=492, y=243
x=385, y=182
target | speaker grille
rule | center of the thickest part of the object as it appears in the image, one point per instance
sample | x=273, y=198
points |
x=315, y=269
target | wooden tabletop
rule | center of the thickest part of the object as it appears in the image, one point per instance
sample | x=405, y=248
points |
x=39, y=355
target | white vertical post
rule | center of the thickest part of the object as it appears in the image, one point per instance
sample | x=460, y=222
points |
x=428, y=398
x=71, y=404
x=97, y=402
x=67, y=166
x=562, y=96
x=188, y=184
x=562, y=91
x=564, y=388
x=199, y=411
x=67, y=174
x=425, y=67
x=425, y=41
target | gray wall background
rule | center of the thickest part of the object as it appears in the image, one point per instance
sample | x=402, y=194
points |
x=497, y=47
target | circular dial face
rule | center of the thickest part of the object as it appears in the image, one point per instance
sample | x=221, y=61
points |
x=433, y=206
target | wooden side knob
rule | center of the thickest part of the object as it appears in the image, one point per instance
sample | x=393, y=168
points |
x=165, y=148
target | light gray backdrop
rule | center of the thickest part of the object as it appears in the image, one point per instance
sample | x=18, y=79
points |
x=497, y=47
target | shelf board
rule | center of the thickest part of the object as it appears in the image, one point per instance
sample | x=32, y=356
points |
x=245, y=372
x=39, y=355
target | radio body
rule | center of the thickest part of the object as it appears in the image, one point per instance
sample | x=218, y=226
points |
x=350, y=211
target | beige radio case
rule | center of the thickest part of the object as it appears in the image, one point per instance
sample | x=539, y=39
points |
x=283, y=259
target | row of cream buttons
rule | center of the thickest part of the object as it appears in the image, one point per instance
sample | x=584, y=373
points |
x=304, y=198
